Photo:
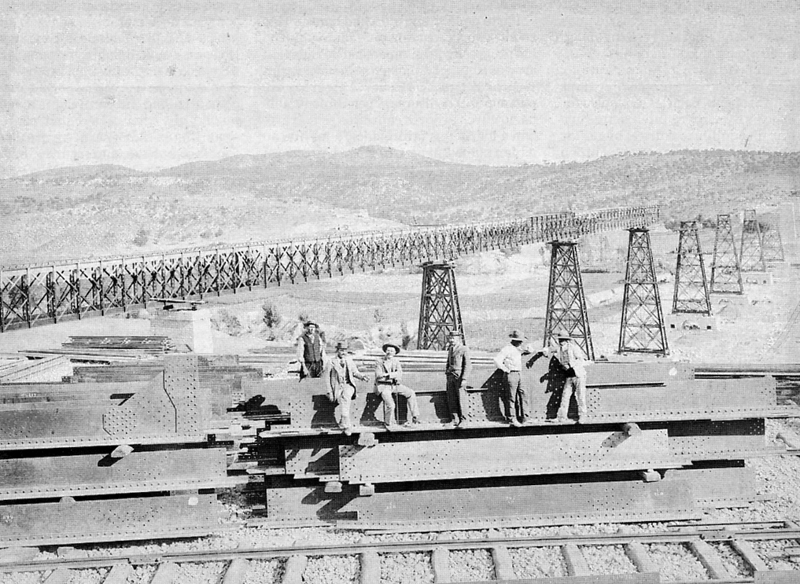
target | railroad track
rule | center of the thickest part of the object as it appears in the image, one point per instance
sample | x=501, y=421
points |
x=719, y=553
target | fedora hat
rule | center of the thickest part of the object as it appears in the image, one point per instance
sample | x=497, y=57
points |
x=390, y=344
x=342, y=345
x=517, y=336
x=310, y=322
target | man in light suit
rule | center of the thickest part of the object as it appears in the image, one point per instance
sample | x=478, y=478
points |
x=571, y=360
x=341, y=378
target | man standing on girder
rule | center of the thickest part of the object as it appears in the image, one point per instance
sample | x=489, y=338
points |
x=341, y=384
x=515, y=397
x=571, y=360
x=388, y=375
x=457, y=370
x=311, y=351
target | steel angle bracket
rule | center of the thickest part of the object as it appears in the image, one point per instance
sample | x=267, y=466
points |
x=171, y=404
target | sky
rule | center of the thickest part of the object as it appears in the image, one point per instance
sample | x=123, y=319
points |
x=150, y=84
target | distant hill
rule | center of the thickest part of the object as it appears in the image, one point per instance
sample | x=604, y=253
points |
x=93, y=211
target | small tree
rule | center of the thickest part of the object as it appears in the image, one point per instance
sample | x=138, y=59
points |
x=270, y=315
x=141, y=237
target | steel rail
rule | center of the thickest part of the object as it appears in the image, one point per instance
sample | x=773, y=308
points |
x=679, y=535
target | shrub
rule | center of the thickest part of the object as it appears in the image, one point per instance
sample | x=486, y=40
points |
x=141, y=237
x=270, y=315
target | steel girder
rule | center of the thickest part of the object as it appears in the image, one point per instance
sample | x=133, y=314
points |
x=45, y=294
x=691, y=286
x=99, y=474
x=168, y=408
x=642, y=326
x=726, y=271
x=615, y=393
x=91, y=521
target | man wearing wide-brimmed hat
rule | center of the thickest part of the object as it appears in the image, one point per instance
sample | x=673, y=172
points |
x=388, y=375
x=572, y=362
x=457, y=370
x=341, y=378
x=515, y=397
x=311, y=350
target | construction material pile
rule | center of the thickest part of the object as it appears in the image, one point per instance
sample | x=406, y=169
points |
x=123, y=346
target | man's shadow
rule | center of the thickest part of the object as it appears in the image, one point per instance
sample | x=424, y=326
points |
x=555, y=380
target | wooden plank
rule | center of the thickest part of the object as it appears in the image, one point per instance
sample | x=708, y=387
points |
x=503, y=568
x=370, y=567
x=710, y=559
x=236, y=572
x=166, y=573
x=440, y=561
x=744, y=549
x=119, y=574
x=58, y=576
x=576, y=562
x=294, y=568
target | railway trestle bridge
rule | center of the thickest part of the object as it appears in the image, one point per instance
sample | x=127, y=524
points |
x=46, y=294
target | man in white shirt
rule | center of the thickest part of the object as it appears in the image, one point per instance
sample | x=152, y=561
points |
x=572, y=362
x=509, y=361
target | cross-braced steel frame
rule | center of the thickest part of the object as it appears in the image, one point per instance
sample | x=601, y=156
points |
x=439, y=311
x=691, y=286
x=566, y=304
x=642, y=327
x=33, y=295
x=751, y=247
x=771, y=243
x=726, y=272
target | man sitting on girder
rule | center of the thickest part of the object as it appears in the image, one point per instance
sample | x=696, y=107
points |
x=388, y=375
x=570, y=358
x=341, y=377
x=311, y=350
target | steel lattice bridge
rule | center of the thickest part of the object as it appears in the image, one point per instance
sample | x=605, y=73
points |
x=46, y=294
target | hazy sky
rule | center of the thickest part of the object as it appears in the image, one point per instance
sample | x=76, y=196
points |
x=148, y=85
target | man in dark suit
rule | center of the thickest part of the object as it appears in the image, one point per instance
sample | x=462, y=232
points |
x=341, y=378
x=457, y=370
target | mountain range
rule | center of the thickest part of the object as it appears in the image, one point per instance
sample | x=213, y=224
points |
x=93, y=211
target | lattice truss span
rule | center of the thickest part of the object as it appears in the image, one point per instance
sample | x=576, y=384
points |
x=751, y=247
x=439, y=311
x=726, y=273
x=642, y=328
x=46, y=294
x=566, y=304
x=691, y=286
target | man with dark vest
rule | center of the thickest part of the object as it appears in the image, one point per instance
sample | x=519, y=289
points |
x=457, y=370
x=341, y=384
x=311, y=351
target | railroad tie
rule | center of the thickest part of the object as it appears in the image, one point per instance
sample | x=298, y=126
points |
x=710, y=559
x=119, y=574
x=744, y=549
x=638, y=555
x=370, y=567
x=294, y=568
x=58, y=576
x=236, y=572
x=576, y=562
x=503, y=569
x=440, y=561
x=167, y=573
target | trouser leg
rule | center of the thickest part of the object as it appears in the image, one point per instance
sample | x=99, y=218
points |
x=454, y=397
x=348, y=391
x=388, y=404
x=522, y=400
x=411, y=398
x=580, y=396
x=566, y=395
x=512, y=384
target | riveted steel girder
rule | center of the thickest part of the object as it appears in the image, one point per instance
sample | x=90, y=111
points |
x=108, y=520
x=506, y=456
x=93, y=474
